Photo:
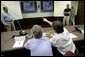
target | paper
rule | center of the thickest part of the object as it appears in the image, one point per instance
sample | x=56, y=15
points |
x=72, y=35
x=19, y=41
x=18, y=44
x=20, y=38
x=82, y=31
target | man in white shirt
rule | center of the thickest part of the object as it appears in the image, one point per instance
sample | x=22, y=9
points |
x=72, y=16
x=61, y=38
x=7, y=19
x=39, y=45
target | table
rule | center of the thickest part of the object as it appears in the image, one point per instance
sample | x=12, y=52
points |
x=7, y=43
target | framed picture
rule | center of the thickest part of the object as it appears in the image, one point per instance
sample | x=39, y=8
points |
x=47, y=6
x=28, y=6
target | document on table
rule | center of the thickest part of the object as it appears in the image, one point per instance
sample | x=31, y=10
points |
x=82, y=30
x=19, y=41
x=73, y=36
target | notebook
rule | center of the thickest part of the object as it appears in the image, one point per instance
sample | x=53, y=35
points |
x=19, y=41
x=73, y=36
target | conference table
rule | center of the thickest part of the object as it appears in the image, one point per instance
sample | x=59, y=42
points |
x=7, y=41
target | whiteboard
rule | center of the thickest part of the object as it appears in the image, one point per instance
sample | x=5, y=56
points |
x=14, y=8
x=59, y=7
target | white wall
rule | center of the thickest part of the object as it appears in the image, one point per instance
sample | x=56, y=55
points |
x=59, y=7
x=38, y=13
x=14, y=8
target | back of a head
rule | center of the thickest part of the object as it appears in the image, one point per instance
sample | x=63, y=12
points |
x=37, y=31
x=5, y=8
x=58, y=26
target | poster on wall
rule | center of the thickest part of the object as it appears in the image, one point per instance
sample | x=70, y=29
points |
x=47, y=6
x=28, y=6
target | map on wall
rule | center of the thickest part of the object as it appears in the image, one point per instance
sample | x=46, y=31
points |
x=47, y=6
x=28, y=6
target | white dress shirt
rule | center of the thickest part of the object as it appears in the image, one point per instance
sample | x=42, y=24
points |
x=39, y=47
x=6, y=17
x=63, y=42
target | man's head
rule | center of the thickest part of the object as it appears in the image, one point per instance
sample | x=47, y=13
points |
x=67, y=5
x=37, y=31
x=58, y=26
x=5, y=9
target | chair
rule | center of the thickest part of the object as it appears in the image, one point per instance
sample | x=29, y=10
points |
x=69, y=53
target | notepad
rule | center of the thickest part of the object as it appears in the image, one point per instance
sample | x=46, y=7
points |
x=19, y=41
x=82, y=31
x=18, y=44
x=72, y=35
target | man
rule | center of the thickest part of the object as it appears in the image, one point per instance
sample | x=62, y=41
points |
x=7, y=19
x=72, y=16
x=39, y=45
x=67, y=12
x=61, y=39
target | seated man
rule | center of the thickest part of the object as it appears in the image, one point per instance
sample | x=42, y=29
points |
x=7, y=19
x=61, y=39
x=39, y=45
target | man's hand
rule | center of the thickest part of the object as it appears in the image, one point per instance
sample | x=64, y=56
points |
x=45, y=20
x=67, y=12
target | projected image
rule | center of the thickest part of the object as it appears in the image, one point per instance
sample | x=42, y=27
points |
x=47, y=6
x=28, y=6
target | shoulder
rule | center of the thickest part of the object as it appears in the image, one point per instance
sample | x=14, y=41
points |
x=45, y=38
x=55, y=37
x=65, y=9
x=69, y=9
x=2, y=12
x=30, y=40
x=65, y=29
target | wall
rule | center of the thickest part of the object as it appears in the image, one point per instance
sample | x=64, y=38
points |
x=80, y=13
x=75, y=4
x=59, y=7
x=14, y=7
x=38, y=13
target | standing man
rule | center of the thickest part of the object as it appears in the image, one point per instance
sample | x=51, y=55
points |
x=7, y=19
x=67, y=12
x=72, y=16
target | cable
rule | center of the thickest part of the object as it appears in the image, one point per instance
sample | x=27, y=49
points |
x=19, y=25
